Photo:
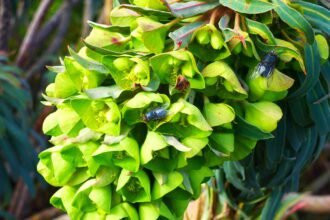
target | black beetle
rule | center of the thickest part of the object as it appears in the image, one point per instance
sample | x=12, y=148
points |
x=155, y=114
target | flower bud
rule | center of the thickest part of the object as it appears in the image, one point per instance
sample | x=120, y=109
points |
x=263, y=115
x=139, y=71
x=203, y=37
x=174, y=61
x=257, y=87
x=188, y=70
x=50, y=90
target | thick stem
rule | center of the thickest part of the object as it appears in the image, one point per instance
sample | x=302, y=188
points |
x=55, y=44
x=237, y=22
x=173, y=22
x=214, y=16
x=29, y=38
x=48, y=213
x=50, y=25
x=88, y=15
x=105, y=15
x=237, y=29
x=314, y=204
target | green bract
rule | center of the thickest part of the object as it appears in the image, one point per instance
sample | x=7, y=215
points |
x=168, y=92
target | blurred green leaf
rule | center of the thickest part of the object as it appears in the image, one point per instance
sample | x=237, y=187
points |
x=294, y=19
x=248, y=6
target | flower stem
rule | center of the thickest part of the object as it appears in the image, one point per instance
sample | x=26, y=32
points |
x=173, y=22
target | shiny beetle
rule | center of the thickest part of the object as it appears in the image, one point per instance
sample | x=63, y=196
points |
x=155, y=114
x=267, y=65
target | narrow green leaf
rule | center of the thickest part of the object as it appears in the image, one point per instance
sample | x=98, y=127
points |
x=89, y=64
x=111, y=52
x=176, y=144
x=294, y=19
x=104, y=92
x=155, y=4
x=182, y=36
x=111, y=28
x=320, y=112
x=190, y=8
x=162, y=15
x=56, y=69
x=255, y=27
x=248, y=6
x=317, y=15
x=313, y=68
x=272, y=204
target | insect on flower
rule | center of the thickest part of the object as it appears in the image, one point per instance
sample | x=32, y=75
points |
x=182, y=83
x=266, y=66
x=155, y=114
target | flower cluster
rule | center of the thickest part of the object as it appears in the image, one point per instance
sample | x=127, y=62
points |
x=141, y=122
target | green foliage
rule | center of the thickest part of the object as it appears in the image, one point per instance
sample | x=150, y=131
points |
x=18, y=157
x=141, y=122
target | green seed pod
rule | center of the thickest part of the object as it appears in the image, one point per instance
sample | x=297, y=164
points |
x=123, y=63
x=216, y=41
x=211, y=81
x=174, y=62
x=188, y=70
x=323, y=47
x=248, y=51
x=237, y=49
x=112, y=116
x=228, y=86
x=203, y=37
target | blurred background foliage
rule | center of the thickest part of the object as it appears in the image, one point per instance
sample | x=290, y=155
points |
x=34, y=34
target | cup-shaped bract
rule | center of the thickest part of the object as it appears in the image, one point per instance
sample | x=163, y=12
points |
x=264, y=115
x=222, y=81
x=208, y=44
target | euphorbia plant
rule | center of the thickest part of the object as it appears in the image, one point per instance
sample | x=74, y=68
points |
x=168, y=92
